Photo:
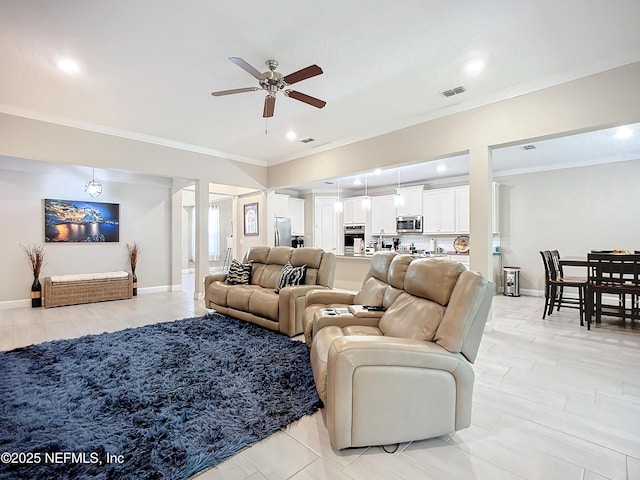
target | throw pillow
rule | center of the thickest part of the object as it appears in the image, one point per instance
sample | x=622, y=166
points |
x=291, y=276
x=239, y=273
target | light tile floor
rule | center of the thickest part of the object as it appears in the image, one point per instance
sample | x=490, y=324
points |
x=552, y=400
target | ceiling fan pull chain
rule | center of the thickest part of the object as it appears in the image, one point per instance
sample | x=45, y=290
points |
x=266, y=123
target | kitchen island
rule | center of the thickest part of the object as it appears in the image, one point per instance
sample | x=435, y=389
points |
x=351, y=269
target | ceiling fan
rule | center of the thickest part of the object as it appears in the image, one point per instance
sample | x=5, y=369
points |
x=274, y=82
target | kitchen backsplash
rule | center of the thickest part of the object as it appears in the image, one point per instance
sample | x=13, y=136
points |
x=423, y=242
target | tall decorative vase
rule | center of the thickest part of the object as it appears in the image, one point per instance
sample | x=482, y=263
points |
x=135, y=282
x=36, y=292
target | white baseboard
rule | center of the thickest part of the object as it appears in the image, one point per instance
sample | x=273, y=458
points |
x=11, y=304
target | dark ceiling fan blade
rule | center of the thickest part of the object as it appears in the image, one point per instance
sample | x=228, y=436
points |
x=235, y=90
x=245, y=66
x=316, y=102
x=269, y=106
x=310, y=71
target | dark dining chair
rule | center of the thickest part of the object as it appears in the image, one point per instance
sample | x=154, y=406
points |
x=616, y=276
x=555, y=256
x=555, y=283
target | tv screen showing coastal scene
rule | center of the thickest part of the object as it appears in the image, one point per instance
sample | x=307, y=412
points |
x=79, y=221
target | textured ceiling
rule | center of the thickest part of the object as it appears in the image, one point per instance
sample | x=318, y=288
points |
x=148, y=67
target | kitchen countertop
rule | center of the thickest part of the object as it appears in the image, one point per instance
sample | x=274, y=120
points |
x=430, y=255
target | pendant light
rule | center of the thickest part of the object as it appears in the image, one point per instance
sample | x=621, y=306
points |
x=338, y=206
x=398, y=200
x=366, y=201
x=93, y=188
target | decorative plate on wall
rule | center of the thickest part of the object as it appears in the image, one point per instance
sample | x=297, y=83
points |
x=461, y=244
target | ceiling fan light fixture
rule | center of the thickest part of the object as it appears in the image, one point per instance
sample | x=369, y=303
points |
x=273, y=82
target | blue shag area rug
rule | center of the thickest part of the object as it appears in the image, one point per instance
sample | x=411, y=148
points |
x=158, y=402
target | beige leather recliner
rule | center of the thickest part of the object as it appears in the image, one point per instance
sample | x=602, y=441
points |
x=371, y=293
x=406, y=375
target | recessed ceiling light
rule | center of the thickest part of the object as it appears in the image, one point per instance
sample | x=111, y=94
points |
x=441, y=168
x=68, y=66
x=474, y=66
x=291, y=135
x=622, y=133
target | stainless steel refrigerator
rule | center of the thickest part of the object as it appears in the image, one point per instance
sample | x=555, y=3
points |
x=282, y=229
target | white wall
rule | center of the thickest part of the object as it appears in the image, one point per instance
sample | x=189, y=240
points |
x=572, y=210
x=145, y=216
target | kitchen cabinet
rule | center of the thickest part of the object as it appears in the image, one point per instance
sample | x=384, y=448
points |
x=439, y=211
x=354, y=214
x=383, y=215
x=462, y=209
x=412, y=201
x=441, y=205
x=296, y=213
x=277, y=205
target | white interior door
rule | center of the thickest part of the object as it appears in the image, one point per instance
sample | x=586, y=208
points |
x=326, y=234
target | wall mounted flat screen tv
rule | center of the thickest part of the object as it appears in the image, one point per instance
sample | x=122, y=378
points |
x=80, y=221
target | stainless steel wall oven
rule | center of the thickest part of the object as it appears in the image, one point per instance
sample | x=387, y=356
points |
x=352, y=233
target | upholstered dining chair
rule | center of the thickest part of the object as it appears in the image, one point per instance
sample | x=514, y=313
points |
x=555, y=282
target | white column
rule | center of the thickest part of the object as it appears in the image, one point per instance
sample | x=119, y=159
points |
x=202, y=236
x=176, y=239
x=481, y=211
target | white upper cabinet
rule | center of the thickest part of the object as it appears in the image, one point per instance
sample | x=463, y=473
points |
x=462, y=209
x=439, y=211
x=277, y=205
x=383, y=215
x=411, y=201
x=296, y=213
x=354, y=213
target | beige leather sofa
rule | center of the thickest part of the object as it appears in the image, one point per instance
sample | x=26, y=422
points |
x=407, y=373
x=257, y=302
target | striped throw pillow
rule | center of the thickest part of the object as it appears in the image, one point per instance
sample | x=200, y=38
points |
x=291, y=276
x=239, y=273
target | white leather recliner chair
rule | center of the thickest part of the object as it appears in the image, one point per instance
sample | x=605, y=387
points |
x=406, y=375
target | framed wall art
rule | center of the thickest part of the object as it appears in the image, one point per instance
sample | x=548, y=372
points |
x=251, y=226
x=80, y=221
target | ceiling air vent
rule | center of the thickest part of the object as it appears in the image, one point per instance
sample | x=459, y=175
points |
x=528, y=147
x=454, y=91
x=307, y=140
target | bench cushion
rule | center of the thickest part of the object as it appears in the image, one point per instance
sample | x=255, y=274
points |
x=83, y=277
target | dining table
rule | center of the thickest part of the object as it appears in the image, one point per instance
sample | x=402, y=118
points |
x=627, y=283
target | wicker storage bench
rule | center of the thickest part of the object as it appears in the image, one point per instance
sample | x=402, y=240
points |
x=86, y=288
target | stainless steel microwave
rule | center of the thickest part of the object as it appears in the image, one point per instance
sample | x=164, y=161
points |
x=409, y=224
